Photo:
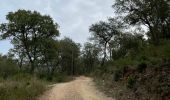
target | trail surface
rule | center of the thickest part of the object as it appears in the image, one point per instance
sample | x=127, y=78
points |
x=82, y=88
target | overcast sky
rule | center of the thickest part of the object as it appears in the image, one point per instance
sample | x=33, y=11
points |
x=73, y=16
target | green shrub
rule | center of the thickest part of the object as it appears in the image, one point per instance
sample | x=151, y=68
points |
x=7, y=67
x=131, y=82
x=165, y=87
x=117, y=75
x=125, y=62
x=165, y=50
x=61, y=78
x=141, y=67
x=21, y=77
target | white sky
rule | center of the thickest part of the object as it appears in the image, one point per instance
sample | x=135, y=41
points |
x=73, y=16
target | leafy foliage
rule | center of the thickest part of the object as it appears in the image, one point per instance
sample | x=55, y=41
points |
x=8, y=67
x=27, y=30
x=130, y=82
x=103, y=32
x=90, y=56
x=69, y=53
x=153, y=13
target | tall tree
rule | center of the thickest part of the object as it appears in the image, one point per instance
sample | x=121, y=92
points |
x=90, y=55
x=69, y=53
x=50, y=57
x=152, y=13
x=103, y=32
x=28, y=29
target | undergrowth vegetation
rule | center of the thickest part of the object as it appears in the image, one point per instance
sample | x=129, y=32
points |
x=145, y=76
x=16, y=84
x=21, y=87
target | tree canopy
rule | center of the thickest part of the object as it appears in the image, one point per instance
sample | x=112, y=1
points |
x=28, y=30
x=152, y=13
x=103, y=33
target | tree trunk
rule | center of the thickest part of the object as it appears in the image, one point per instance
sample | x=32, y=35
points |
x=20, y=63
x=32, y=67
x=73, y=65
x=154, y=36
x=110, y=51
x=27, y=51
x=104, y=58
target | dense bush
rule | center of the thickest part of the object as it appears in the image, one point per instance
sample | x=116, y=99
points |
x=120, y=63
x=141, y=67
x=131, y=82
x=8, y=67
x=117, y=75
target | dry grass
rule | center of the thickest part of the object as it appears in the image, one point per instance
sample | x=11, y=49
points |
x=21, y=89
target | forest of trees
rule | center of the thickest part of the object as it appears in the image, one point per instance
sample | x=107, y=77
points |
x=138, y=35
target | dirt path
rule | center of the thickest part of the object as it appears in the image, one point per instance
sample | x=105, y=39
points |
x=80, y=89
